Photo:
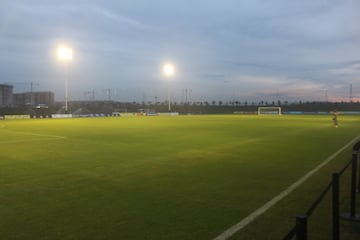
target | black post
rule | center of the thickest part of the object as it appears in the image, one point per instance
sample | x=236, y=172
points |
x=352, y=215
x=358, y=186
x=301, y=227
x=335, y=206
x=353, y=187
x=356, y=149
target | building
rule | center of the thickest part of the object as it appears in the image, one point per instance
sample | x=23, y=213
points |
x=34, y=99
x=6, y=95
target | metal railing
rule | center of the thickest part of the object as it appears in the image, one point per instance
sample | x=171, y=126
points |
x=300, y=229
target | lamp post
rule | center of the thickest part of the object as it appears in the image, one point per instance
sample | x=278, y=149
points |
x=65, y=55
x=168, y=71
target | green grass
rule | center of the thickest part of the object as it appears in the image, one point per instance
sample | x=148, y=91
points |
x=183, y=177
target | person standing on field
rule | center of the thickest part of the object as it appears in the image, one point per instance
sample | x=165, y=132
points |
x=335, y=118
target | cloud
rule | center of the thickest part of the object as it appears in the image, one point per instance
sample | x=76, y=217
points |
x=249, y=47
x=334, y=23
x=212, y=76
x=119, y=18
x=348, y=70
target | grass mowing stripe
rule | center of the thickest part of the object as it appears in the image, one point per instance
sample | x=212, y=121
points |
x=245, y=221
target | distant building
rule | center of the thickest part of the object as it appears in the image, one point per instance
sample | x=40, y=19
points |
x=44, y=98
x=22, y=99
x=34, y=99
x=6, y=95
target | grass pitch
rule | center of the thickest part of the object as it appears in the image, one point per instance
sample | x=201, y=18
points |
x=178, y=177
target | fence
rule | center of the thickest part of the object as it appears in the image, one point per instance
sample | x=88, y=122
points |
x=300, y=228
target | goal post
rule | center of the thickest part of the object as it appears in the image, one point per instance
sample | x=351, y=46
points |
x=269, y=111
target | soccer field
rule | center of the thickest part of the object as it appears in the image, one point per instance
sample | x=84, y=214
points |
x=165, y=177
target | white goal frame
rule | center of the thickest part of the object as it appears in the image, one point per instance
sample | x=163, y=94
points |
x=269, y=111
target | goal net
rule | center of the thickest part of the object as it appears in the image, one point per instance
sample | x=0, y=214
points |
x=269, y=110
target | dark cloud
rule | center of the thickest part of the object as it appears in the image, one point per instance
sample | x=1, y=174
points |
x=219, y=48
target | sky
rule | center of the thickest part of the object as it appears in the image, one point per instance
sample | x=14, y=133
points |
x=228, y=50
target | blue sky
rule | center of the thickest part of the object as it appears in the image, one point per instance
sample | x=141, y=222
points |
x=249, y=50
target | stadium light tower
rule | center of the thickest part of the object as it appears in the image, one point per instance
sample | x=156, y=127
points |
x=168, y=71
x=65, y=54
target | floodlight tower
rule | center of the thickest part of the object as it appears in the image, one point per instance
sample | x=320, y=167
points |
x=168, y=71
x=65, y=54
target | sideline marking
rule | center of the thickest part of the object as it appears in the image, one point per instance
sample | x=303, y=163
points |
x=43, y=137
x=245, y=221
x=28, y=140
x=36, y=134
x=39, y=135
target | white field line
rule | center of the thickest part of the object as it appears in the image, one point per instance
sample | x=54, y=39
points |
x=238, y=226
x=28, y=140
x=42, y=137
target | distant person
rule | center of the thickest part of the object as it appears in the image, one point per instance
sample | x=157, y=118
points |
x=335, y=118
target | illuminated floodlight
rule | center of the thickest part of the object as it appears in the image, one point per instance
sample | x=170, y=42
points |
x=168, y=69
x=65, y=53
